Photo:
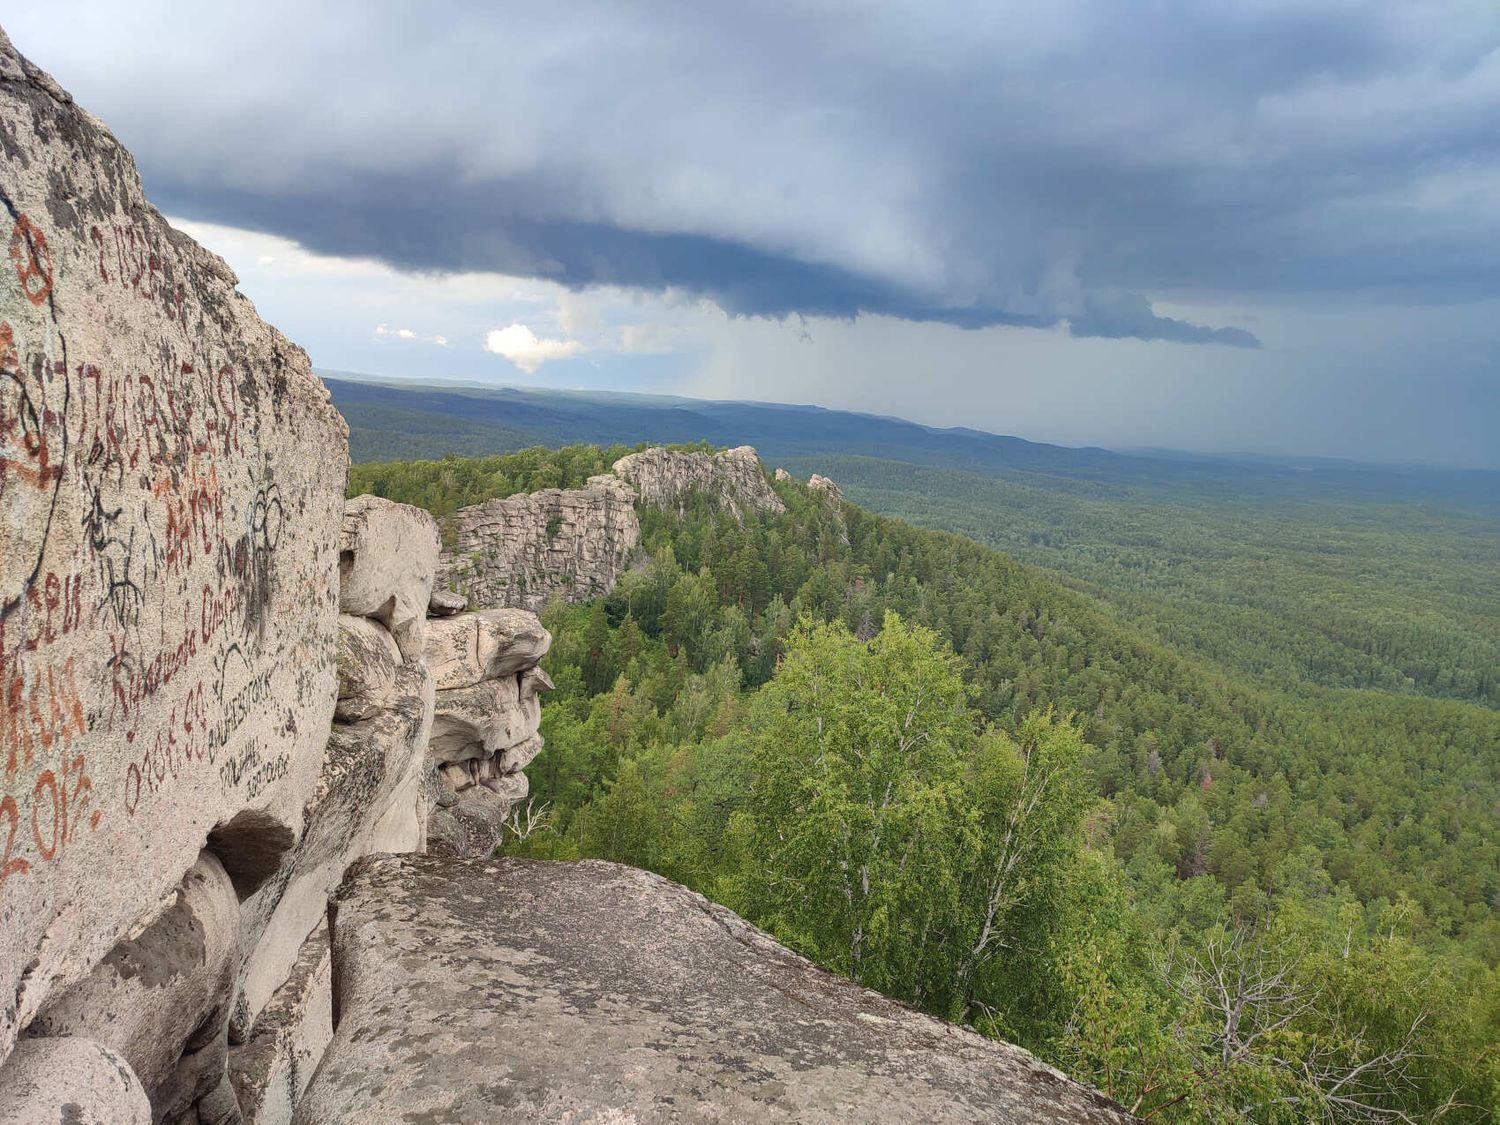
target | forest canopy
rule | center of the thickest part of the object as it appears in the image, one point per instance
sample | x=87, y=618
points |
x=947, y=775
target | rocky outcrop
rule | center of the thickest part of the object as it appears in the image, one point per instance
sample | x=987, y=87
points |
x=732, y=479
x=194, y=743
x=819, y=483
x=370, y=797
x=564, y=992
x=484, y=732
x=573, y=544
x=523, y=551
x=171, y=474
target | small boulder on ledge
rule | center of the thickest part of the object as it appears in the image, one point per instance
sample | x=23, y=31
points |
x=445, y=603
x=521, y=990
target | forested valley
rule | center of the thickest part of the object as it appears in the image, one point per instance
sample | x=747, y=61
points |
x=1169, y=847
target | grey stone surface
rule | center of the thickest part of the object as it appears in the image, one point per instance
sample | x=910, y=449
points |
x=369, y=662
x=469, y=820
x=445, y=603
x=475, y=722
x=369, y=797
x=271, y=1070
x=484, y=728
x=160, y=996
x=515, y=990
x=665, y=478
x=168, y=562
x=523, y=551
x=70, y=1081
x=463, y=650
x=388, y=557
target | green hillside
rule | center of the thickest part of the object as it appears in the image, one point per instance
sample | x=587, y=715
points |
x=1095, y=821
x=1289, y=584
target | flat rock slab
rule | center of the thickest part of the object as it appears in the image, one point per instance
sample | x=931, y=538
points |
x=520, y=990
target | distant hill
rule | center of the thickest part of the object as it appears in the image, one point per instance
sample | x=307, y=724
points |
x=1293, y=571
x=404, y=421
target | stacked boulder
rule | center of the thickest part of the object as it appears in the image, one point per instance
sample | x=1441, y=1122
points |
x=370, y=798
x=485, y=667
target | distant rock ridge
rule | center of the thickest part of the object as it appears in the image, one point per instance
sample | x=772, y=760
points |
x=522, y=551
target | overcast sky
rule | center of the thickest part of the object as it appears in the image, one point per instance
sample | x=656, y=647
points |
x=1264, y=225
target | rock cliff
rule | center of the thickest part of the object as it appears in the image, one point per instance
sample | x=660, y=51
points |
x=523, y=551
x=171, y=472
x=732, y=479
x=819, y=483
x=221, y=686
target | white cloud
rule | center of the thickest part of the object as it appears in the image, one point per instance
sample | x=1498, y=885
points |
x=385, y=331
x=525, y=349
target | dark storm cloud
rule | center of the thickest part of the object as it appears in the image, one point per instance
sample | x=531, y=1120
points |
x=976, y=165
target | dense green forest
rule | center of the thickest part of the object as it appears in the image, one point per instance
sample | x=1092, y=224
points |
x=1265, y=575
x=1216, y=890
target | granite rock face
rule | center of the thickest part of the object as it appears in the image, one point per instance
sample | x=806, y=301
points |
x=194, y=743
x=665, y=478
x=171, y=475
x=369, y=663
x=370, y=796
x=388, y=556
x=70, y=1082
x=272, y=1068
x=523, y=551
x=161, y=996
x=567, y=992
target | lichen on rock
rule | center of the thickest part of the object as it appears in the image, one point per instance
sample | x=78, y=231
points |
x=562, y=992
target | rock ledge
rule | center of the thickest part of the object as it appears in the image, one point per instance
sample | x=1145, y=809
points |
x=524, y=990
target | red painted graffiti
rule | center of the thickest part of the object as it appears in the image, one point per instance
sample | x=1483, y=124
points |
x=32, y=258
